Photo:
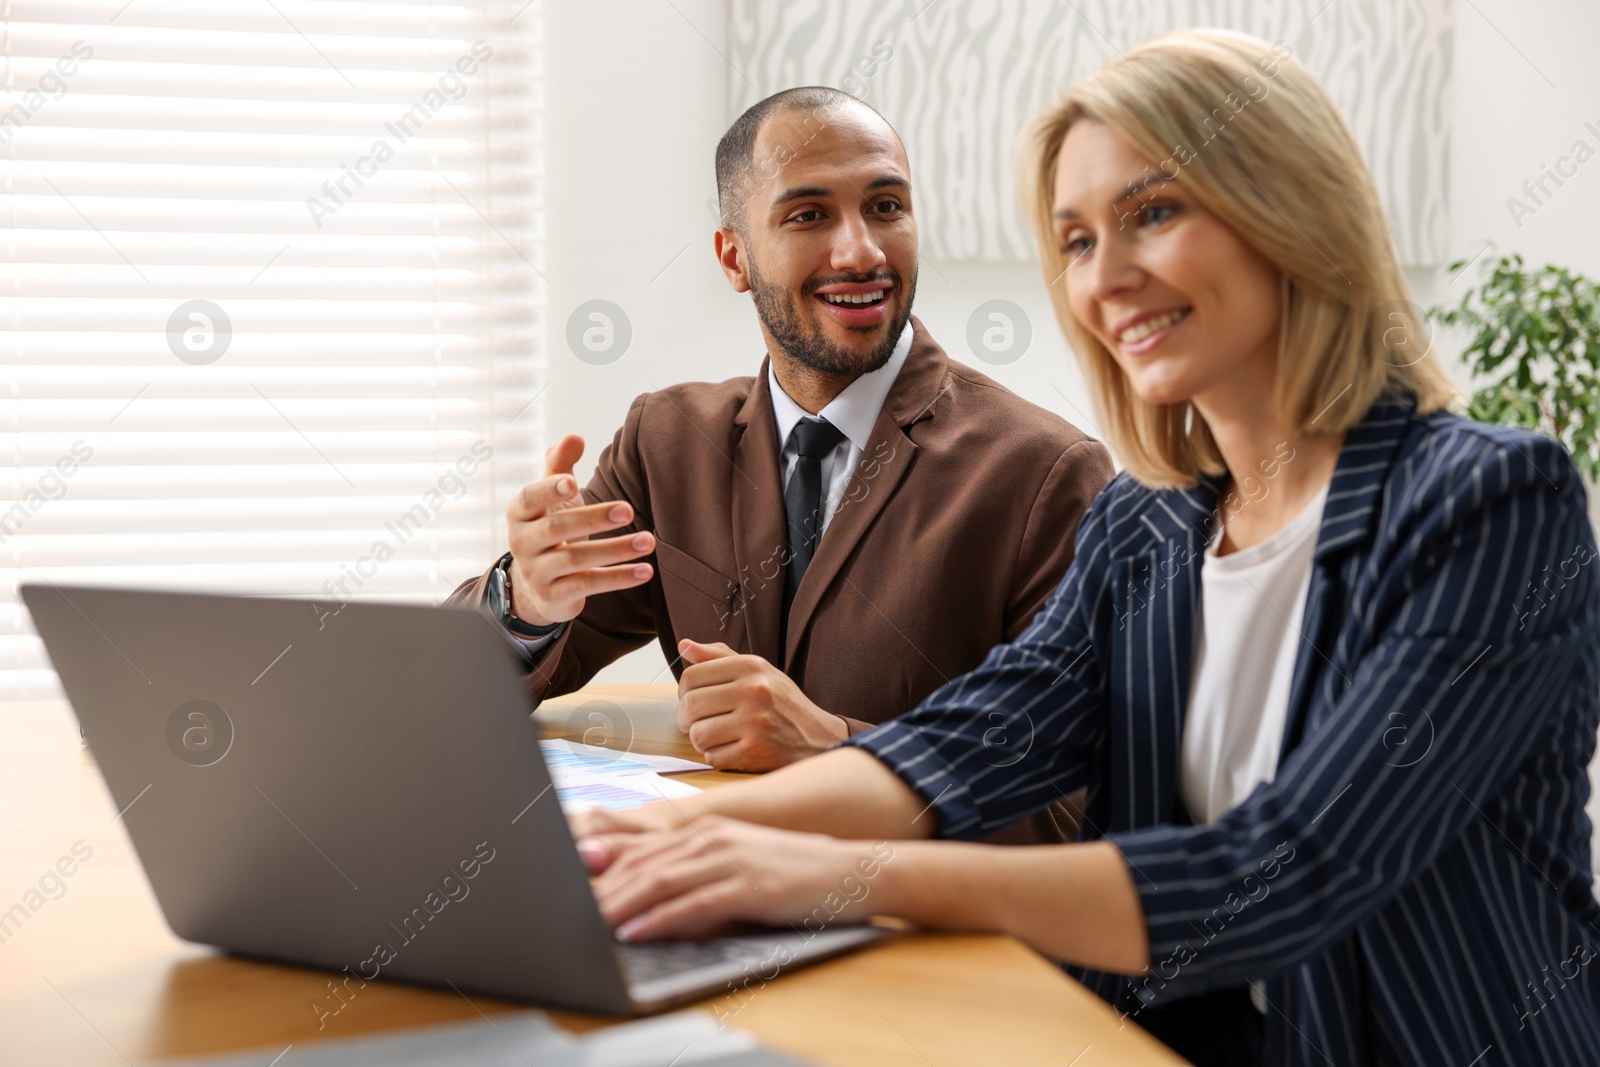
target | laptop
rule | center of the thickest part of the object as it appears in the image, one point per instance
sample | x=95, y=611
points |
x=358, y=787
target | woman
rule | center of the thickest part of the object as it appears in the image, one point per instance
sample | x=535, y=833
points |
x=1331, y=710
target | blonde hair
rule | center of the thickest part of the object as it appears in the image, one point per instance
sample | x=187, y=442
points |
x=1289, y=181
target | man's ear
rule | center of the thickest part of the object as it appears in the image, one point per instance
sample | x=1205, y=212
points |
x=729, y=247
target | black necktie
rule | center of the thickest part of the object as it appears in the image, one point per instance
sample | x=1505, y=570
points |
x=802, y=499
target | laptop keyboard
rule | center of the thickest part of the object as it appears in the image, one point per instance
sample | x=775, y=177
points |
x=647, y=961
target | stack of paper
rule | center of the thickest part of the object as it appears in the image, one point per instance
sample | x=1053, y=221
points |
x=587, y=776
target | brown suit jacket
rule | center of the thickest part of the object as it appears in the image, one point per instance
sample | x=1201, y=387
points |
x=957, y=524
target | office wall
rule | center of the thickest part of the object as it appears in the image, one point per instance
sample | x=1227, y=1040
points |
x=636, y=104
x=963, y=80
x=637, y=101
x=1532, y=88
x=1527, y=90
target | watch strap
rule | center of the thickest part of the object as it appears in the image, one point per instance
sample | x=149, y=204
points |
x=497, y=600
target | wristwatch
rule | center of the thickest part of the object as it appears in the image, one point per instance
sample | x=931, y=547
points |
x=497, y=602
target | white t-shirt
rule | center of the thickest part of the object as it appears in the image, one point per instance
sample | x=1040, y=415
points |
x=1245, y=644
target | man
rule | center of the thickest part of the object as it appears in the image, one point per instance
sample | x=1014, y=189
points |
x=833, y=538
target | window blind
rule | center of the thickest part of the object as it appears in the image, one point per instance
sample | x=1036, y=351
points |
x=272, y=302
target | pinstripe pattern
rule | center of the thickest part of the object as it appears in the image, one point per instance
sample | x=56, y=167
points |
x=1414, y=885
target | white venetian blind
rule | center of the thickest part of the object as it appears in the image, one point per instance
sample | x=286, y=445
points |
x=270, y=305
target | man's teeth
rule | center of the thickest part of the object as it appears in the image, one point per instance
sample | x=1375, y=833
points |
x=854, y=298
x=1144, y=329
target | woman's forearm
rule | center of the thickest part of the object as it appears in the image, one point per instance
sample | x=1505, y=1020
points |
x=1075, y=903
x=845, y=793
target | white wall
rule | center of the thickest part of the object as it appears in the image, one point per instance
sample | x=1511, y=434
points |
x=637, y=102
x=1526, y=83
x=1510, y=121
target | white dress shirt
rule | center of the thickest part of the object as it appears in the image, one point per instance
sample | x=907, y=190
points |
x=853, y=412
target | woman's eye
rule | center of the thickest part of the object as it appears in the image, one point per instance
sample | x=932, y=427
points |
x=1156, y=214
x=1077, y=248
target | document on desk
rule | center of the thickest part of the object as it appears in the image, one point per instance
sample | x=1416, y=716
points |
x=587, y=776
x=523, y=1039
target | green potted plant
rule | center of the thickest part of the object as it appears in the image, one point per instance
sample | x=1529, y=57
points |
x=1535, y=341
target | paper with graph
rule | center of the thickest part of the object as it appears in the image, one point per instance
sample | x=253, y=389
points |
x=587, y=776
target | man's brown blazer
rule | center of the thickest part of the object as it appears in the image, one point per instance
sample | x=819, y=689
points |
x=956, y=525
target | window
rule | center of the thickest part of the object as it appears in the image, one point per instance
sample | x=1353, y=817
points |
x=272, y=306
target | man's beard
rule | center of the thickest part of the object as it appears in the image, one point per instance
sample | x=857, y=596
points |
x=807, y=344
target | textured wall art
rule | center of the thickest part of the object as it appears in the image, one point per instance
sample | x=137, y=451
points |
x=961, y=81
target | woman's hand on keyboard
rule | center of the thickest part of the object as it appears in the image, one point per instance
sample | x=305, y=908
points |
x=691, y=880
x=603, y=835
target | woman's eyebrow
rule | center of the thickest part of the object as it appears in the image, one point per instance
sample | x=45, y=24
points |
x=1130, y=190
x=1139, y=186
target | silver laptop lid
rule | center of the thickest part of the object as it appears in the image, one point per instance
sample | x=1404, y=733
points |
x=353, y=787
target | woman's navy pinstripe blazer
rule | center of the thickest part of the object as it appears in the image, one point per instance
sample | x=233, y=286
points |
x=1414, y=885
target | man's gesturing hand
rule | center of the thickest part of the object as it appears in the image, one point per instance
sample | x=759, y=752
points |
x=554, y=564
x=746, y=715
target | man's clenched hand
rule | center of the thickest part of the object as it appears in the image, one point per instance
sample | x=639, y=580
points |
x=744, y=714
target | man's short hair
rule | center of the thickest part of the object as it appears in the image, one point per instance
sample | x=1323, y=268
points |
x=736, y=152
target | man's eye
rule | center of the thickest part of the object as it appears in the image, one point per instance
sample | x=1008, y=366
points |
x=888, y=207
x=808, y=215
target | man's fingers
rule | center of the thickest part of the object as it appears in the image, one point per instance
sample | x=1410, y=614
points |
x=560, y=457
x=536, y=498
x=708, y=733
x=696, y=652
x=575, y=523
x=584, y=584
x=719, y=671
x=734, y=756
x=575, y=556
x=702, y=702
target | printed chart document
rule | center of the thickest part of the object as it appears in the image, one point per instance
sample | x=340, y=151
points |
x=588, y=776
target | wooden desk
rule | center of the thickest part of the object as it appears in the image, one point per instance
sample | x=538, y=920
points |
x=95, y=977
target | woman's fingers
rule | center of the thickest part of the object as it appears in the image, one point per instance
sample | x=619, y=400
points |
x=649, y=849
x=665, y=881
x=686, y=882
x=600, y=851
x=697, y=913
